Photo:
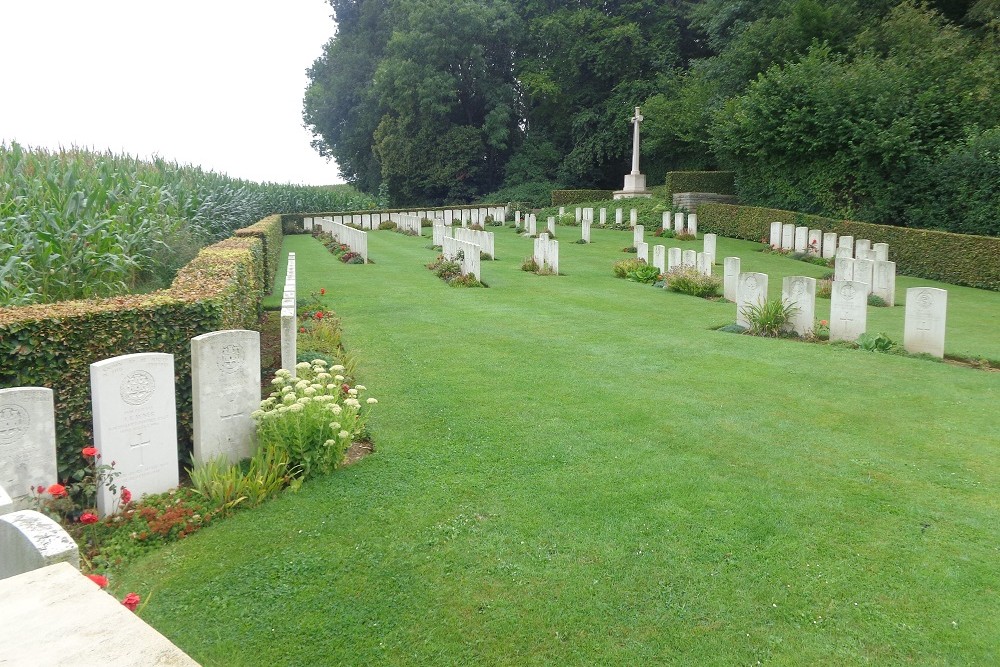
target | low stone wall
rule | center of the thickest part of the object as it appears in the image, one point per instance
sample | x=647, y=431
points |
x=690, y=200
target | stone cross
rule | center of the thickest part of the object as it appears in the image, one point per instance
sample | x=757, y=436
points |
x=636, y=120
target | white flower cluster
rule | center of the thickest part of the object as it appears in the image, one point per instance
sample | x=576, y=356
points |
x=314, y=385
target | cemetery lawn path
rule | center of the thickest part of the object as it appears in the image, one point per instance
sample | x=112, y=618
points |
x=577, y=470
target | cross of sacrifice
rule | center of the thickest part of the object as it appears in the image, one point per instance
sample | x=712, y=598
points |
x=636, y=119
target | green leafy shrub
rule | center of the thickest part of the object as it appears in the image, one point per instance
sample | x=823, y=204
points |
x=688, y=280
x=226, y=485
x=719, y=182
x=824, y=288
x=386, y=225
x=769, y=317
x=630, y=249
x=536, y=194
x=570, y=197
x=644, y=273
x=529, y=265
x=622, y=268
x=876, y=342
x=876, y=301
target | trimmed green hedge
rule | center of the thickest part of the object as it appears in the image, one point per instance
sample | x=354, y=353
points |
x=959, y=259
x=270, y=232
x=719, y=182
x=53, y=345
x=568, y=197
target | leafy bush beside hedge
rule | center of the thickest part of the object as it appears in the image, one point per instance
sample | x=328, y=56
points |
x=53, y=345
x=959, y=259
x=568, y=197
x=719, y=182
x=269, y=231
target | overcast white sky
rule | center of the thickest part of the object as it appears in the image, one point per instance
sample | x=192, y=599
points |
x=215, y=83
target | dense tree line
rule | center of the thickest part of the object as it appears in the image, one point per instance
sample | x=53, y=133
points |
x=883, y=110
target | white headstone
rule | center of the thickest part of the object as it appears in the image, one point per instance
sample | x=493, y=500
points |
x=861, y=248
x=6, y=504
x=618, y=217
x=815, y=241
x=703, y=264
x=751, y=290
x=588, y=214
x=517, y=219
x=660, y=258
x=709, y=247
x=885, y=282
x=585, y=230
x=924, y=321
x=666, y=220
x=633, y=217
x=604, y=216
x=135, y=423
x=864, y=272
x=844, y=253
x=848, y=310
x=678, y=223
x=843, y=269
x=730, y=277
x=578, y=213
x=552, y=256
x=800, y=293
x=881, y=251
x=689, y=258
x=673, y=258
x=846, y=242
x=775, y=237
x=562, y=211
x=552, y=226
x=27, y=442
x=638, y=232
x=642, y=251
x=693, y=225
x=801, y=239
x=29, y=540
x=225, y=389
x=829, y=245
x=787, y=237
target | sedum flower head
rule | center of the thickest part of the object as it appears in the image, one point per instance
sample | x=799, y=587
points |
x=372, y=401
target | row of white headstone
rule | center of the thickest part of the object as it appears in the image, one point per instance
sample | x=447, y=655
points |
x=135, y=418
x=681, y=223
x=546, y=253
x=828, y=245
x=289, y=319
x=466, y=216
x=878, y=276
x=923, y=323
x=466, y=253
x=355, y=239
x=412, y=224
x=485, y=240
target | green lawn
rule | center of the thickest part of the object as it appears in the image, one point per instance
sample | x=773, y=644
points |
x=578, y=470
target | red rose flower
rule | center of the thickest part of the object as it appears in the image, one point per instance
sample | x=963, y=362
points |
x=88, y=518
x=131, y=601
x=319, y=314
x=345, y=388
x=126, y=495
x=89, y=451
x=57, y=490
x=40, y=489
x=322, y=291
x=99, y=579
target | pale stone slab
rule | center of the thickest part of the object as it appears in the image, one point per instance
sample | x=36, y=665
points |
x=6, y=504
x=881, y=251
x=829, y=245
x=578, y=213
x=225, y=385
x=800, y=293
x=751, y=290
x=604, y=217
x=692, y=228
x=689, y=258
x=843, y=268
x=27, y=442
x=562, y=211
x=787, y=237
x=135, y=423
x=864, y=270
x=467, y=254
x=485, y=240
x=703, y=264
x=885, y=282
x=861, y=248
x=730, y=277
x=517, y=219
x=642, y=251
x=438, y=232
x=673, y=258
x=844, y=253
x=848, y=310
x=588, y=215
x=30, y=540
x=552, y=256
x=552, y=226
x=846, y=242
x=678, y=223
x=55, y=615
x=801, y=239
x=815, y=241
x=660, y=258
x=618, y=217
x=289, y=335
x=638, y=232
x=709, y=247
x=585, y=230
x=633, y=217
x=775, y=237
x=864, y=254
x=665, y=223
x=924, y=321
x=541, y=245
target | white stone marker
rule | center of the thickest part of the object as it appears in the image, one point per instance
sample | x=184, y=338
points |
x=843, y=253
x=864, y=270
x=552, y=256
x=6, y=504
x=578, y=213
x=861, y=248
x=289, y=335
x=562, y=211
x=801, y=239
x=642, y=251
x=843, y=268
x=924, y=321
x=225, y=389
x=585, y=230
x=541, y=245
x=633, y=217
x=730, y=278
x=666, y=220
x=604, y=217
x=829, y=245
x=800, y=293
x=135, y=423
x=552, y=226
x=588, y=215
x=689, y=258
x=678, y=223
x=815, y=240
x=885, y=282
x=29, y=540
x=787, y=237
x=693, y=225
x=27, y=442
x=751, y=290
x=637, y=235
x=517, y=219
x=881, y=251
x=660, y=258
x=709, y=247
x=673, y=259
x=775, y=237
x=703, y=264
x=848, y=310
x=618, y=217
x=438, y=231
x=846, y=242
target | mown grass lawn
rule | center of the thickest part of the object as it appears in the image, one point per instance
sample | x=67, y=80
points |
x=578, y=470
